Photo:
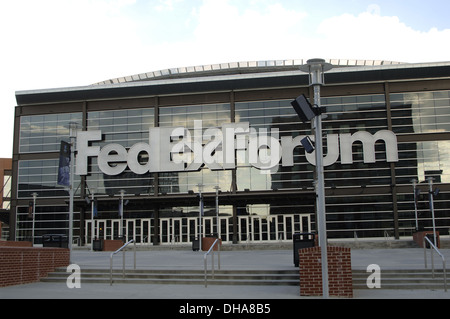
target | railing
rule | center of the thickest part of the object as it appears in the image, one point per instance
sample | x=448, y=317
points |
x=123, y=265
x=211, y=249
x=425, y=238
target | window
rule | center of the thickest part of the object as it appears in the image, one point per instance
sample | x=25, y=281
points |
x=44, y=133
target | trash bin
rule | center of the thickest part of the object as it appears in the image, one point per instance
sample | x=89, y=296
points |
x=97, y=245
x=59, y=241
x=302, y=240
x=195, y=244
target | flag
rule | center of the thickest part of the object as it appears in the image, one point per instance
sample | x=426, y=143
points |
x=64, y=164
x=202, y=206
x=120, y=208
x=95, y=208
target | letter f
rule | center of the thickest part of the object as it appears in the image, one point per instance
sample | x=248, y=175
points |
x=84, y=151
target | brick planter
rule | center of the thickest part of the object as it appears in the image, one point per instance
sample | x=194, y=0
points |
x=21, y=265
x=207, y=242
x=112, y=244
x=418, y=238
x=339, y=272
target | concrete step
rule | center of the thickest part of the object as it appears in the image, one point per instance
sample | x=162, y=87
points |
x=402, y=279
x=182, y=277
x=390, y=279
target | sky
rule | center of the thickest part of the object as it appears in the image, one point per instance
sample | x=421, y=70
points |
x=66, y=43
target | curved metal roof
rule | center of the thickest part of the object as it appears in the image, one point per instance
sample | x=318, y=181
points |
x=237, y=68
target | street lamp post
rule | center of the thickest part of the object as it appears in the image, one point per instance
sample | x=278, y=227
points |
x=316, y=69
x=33, y=217
x=414, y=182
x=122, y=193
x=73, y=135
x=92, y=218
x=200, y=214
x=217, y=210
x=430, y=183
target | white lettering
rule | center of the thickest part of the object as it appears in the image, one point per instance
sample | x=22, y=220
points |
x=84, y=151
x=133, y=158
x=230, y=145
x=191, y=309
x=264, y=150
x=368, y=140
x=212, y=157
x=174, y=149
x=112, y=159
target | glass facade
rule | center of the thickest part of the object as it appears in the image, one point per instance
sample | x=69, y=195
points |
x=362, y=199
x=420, y=112
x=41, y=176
x=211, y=115
x=44, y=133
x=124, y=127
x=422, y=115
x=273, y=115
x=361, y=215
x=48, y=220
x=6, y=198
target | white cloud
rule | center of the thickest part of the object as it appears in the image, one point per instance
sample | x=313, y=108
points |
x=226, y=33
x=371, y=36
x=167, y=5
x=65, y=40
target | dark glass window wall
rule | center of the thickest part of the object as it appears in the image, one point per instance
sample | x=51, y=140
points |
x=44, y=133
x=212, y=116
x=124, y=127
x=413, y=114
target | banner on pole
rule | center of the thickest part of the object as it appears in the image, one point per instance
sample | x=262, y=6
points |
x=95, y=209
x=64, y=164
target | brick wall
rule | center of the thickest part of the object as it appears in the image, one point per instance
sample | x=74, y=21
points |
x=339, y=272
x=4, y=243
x=21, y=265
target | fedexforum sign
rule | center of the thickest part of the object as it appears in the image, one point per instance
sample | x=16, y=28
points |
x=176, y=149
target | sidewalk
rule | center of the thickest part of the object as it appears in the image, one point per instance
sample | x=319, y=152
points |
x=254, y=259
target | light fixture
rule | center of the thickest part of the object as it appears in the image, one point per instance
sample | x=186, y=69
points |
x=303, y=108
x=308, y=144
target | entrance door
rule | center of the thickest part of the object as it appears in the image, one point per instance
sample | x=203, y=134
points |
x=164, y=230
x=192, y=228
x=225, y=229
x=100, y=229
x=130, y=229
x=147, y=232
x=288, y=228
x=115, y=225
x=176, y=230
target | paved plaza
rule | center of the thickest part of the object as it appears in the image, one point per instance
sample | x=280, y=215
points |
x=400, y=258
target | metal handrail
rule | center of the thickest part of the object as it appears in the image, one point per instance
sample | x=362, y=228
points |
x=123, y=265
x=216, y=242
x=432, y=259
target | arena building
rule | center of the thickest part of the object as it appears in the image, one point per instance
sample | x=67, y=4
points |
x=151, y=142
